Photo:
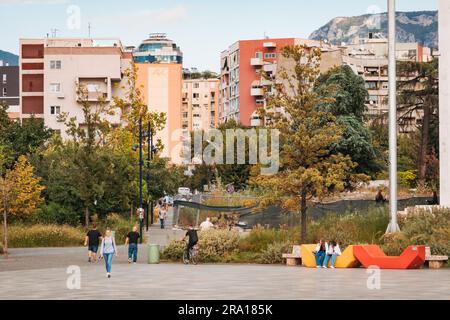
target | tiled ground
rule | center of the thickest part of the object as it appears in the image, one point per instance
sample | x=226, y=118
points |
x=42, y=275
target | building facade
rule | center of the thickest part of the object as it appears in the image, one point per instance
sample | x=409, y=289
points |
x=9, y=89
x=51, y=70
x=200, y=104
x=161, y=89
x=158, y=49
x=243, y=88
x=369, y=59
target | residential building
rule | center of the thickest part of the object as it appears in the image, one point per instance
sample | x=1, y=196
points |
x=243, y=88
x=52, y=68
x=200, y=103
x=161, y=88
x=369, y=59
x=158, y=49
x=9, y=89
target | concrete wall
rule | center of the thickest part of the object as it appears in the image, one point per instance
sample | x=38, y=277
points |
x=444, y=101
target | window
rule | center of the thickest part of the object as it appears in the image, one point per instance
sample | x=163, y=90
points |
x=259, y=55
x=185, y=114
x=55, y=110
x=195, y=106
x=196, y=115
x=55, y=87
x=4, y=78
x=4, y=92
x=196, y=85
x=196, y=95
x=55, y=64
x=270, y=55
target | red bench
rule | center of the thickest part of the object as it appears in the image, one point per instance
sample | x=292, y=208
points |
x=371, y=255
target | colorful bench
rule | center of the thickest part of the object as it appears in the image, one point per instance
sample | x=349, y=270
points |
x=371, y=255
x=345, y=260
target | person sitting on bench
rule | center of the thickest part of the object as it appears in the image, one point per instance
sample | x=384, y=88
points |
x=333, y=252
x=320, y=252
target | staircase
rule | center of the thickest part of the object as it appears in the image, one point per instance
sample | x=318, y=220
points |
x=162, y=237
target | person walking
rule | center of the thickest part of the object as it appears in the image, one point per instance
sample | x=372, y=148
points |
x=333, y=252
x=162, y=213
x=132, y=242
x=107, y=250
x=92, y=240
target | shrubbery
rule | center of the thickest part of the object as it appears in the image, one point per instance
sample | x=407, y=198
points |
x=54, y=213
x=214, y=246
x=24, y=236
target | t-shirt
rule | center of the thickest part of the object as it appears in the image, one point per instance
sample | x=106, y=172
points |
x=322, y=247
x=205, y=225
x=133, y=237
x=94, y=237
x=193, y=238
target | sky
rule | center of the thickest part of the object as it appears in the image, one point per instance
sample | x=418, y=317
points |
x=202, y=28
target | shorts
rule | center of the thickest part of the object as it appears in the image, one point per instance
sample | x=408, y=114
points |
x=93, y=248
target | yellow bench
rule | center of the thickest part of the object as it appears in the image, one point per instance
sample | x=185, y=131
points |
x=345, y=260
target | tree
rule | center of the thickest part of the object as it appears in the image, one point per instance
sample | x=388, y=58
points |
x=5, y=194
x=418, y=88
x=348, y=94
x=308, y=168
x=26, y=191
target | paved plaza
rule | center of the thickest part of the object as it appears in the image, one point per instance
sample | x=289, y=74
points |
x=41, y=274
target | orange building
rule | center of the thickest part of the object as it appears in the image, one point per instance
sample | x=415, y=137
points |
x=161, y=87
x=242, y=89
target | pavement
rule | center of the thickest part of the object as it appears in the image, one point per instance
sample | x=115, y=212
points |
x=42, y=273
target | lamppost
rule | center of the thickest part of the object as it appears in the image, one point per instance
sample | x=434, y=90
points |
x=150, y=150
x=393, y=226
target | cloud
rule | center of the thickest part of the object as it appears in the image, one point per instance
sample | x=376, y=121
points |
x=32, y=2
x=145, y=17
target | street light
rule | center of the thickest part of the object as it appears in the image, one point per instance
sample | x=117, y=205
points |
x=393, y=226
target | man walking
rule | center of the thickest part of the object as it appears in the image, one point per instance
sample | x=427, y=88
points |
x=92, y=240
x=132, y=242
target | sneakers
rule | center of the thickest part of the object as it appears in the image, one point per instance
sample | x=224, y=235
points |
x=89, y=259
x=332, y=267
x=325, y=267
x=318, y=267
x=129, y=260
x=108, y=275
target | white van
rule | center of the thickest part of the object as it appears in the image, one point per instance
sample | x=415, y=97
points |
x=184, y=191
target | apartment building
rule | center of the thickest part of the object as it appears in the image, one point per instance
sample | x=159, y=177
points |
x=369, y=59
x=9, y=89
x=243, y=89
x=52, y=68
x=200, y=104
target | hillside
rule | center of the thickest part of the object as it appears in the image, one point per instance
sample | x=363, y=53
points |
x=418, y=26
x=10, y=58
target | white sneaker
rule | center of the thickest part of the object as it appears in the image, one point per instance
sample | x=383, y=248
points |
x=108, y=275
x=325, y=267
x=332, y=267
x=318, y=267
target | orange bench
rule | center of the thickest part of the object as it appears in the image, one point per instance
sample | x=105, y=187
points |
x=371, y=255
x=345, y=260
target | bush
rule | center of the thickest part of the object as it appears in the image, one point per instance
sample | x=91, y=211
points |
x=215, y=246
x=273, y=253
x=1, y=249
x=119, y=224
x=407, y=179
x=23, y=236
x=260, y=238
x=53, y=213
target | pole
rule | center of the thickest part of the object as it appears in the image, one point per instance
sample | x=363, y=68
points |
x=140, y=178
x=149, y=157
x=393, y=226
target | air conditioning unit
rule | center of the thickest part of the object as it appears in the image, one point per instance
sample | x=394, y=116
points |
x=61, y=95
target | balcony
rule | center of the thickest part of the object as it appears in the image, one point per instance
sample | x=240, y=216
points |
x=256, y=62
x=270, y=67
x=257, y=92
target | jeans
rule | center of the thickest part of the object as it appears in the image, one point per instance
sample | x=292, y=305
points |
x=162, y=223
x=189, y=246
x=320, y=256
x=132, y=251
x=333, y=259
x=108, y=261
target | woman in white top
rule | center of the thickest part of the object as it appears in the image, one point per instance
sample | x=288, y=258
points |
x=333, y=252
x=107, y=250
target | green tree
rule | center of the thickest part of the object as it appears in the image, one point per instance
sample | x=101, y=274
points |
x=308, y=168
x=418, y=88
x=348, y=95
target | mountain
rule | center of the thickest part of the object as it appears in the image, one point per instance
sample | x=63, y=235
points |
x=417, y=26
x=10, y=58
